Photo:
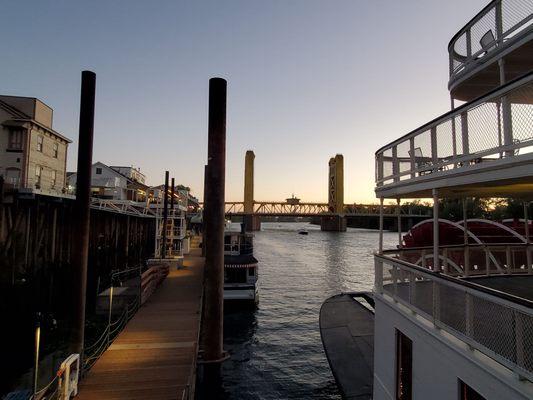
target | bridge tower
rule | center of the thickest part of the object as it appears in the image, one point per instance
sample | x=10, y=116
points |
x=336, y=222
x=251, y=221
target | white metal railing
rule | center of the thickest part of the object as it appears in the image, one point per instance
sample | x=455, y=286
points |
x=496, y=126
x=493, y=28
x=494, y=323
x=485, y=259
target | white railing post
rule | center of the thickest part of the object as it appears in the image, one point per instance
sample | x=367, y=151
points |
x=445, y=261
x=436, y=304
x=464, y=133
x=436, y=263
x=412, y=288
x=379, y=166
x=528, y=242
x=380, y=248
x=412, y=156
x=468, y=34
x=469, y=315
x=434, y=150
x=399, y=222
x=507, y=126
x=395, y=273
x=498, y=22
x=378, y=275
x=467, y=248
x=508, y=258
x=395, y=164
x=519, y=338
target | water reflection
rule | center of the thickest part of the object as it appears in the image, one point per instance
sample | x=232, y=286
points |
x=276, y=352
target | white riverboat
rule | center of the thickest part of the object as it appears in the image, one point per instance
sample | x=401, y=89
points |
x=240, y=268
x=453, y=320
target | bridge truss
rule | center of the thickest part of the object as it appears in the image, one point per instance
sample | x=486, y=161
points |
x=273, y=208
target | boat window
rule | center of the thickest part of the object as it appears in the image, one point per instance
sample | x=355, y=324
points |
x=404, y=366
x=251, y=271
x=467, y=393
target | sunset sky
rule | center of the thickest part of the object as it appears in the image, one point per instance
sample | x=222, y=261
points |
x=306, y=80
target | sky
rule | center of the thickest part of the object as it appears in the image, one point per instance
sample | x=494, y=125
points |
x=307, y=79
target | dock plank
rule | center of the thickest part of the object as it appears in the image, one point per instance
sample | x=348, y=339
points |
x=154, y=356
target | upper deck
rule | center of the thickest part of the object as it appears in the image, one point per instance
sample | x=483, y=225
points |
x=484, y=147
x=493, y=48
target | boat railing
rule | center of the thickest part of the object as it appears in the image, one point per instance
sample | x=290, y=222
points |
x=494, y=323
x=492, y=128
x=470, y=260
x=496, y=26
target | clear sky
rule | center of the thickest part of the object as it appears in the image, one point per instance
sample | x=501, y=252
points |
x=306, y=79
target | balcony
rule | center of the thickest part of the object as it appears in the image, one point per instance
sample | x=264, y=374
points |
x=486, y=313
x=503, y=30
x=482, y=148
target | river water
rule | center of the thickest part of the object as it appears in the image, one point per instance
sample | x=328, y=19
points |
x=276, y=352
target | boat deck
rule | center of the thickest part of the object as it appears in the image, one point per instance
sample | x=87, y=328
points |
x=515, y=285
x=154, y=357
x=347, y=331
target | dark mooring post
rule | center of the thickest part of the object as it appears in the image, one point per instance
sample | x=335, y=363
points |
x=165, y=217
x=80, y=237
x=172, y=194
x=206, y=199
x=214, y=221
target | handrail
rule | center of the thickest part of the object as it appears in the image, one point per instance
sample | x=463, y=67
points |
x=494, y=18
x=490, y=321
x=486, y=126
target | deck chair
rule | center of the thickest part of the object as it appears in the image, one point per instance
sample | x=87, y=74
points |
x=421, y=162
x=488, y=41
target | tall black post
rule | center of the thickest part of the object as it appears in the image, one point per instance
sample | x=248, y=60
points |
x=172, y=194
x=214, y=221
x=165, y=218
x=206, y=199
x=80, y=237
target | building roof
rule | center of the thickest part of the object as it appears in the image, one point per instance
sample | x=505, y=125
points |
x=21, y=118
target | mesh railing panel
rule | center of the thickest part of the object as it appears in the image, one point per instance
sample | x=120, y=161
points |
x=483, y=127
x=493, y=327
x=452, y=308
x=513, y=14
x=501, y=126
x=515, y=18
x=498, y=328
x=525, y=340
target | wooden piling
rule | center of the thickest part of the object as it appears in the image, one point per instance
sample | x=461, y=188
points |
x=165, y=217
x=214, y=222
x=80, y=239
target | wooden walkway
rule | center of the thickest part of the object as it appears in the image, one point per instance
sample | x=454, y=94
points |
x=154, y=357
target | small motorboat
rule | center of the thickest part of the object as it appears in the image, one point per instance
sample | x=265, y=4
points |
x=302, y=232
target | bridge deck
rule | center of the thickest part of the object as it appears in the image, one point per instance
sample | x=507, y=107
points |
x=155, y=356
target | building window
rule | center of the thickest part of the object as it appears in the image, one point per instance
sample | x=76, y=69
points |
x=15, y=139
x=40, y=140
x=467, y=393
x=54, y=177
x=55, y=150
x=404, y=366
x=98, y=171
x=38, y=171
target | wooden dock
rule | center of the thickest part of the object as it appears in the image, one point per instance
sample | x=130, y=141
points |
x=154, y=357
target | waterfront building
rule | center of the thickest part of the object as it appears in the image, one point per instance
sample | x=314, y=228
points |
x=454, y=321
x=114, y=183
x=33, y=155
